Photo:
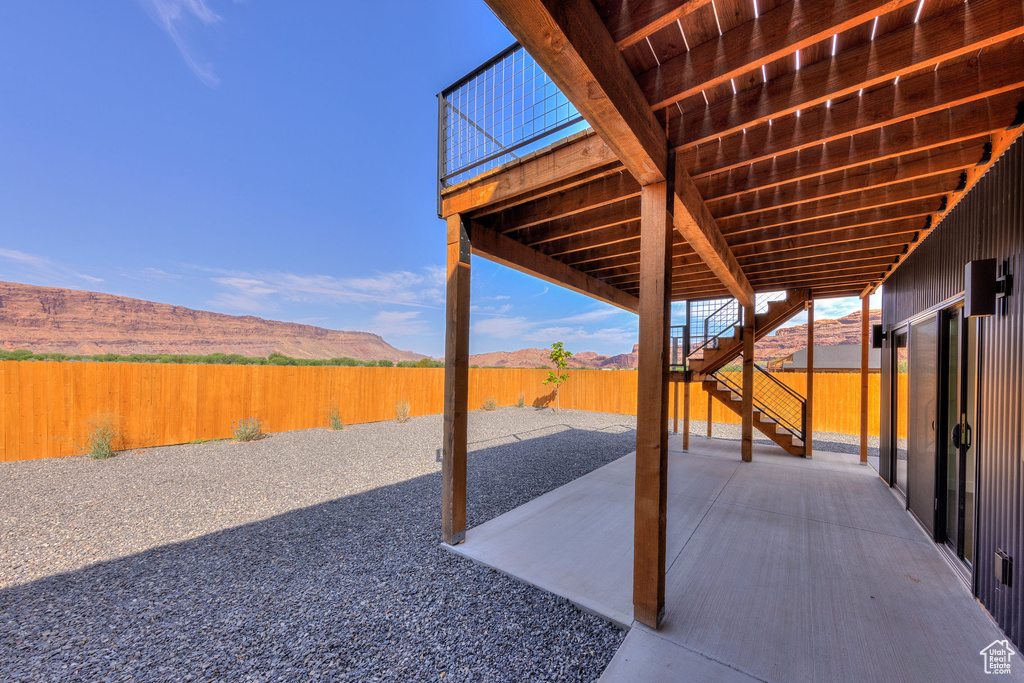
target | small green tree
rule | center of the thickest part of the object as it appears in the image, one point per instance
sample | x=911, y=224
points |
x=560, y=357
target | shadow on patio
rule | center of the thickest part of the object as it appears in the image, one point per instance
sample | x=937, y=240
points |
x=783, y=569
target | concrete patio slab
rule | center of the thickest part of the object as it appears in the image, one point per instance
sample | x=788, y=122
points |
x=783, y=569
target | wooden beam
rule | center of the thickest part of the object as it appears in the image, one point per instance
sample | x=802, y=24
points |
x=456, y=385
x=865, y=341
x=506, y=251
x=686, y=416
x=936, y=130
x=586, y=241
x=628, y=25
x=747, y=408
x=883, y=234
x=652, y=407
x=809, y=425
x=709, y=424
x=675, y=407
x=775, y=34
x=899, y=53
x=1000, y=144
x=695, y=223
x=891, y=172
x=570, y=42
x=622, y=213
x=567, y=203
x=823, y=208
x=990, y=74
x=527, y=175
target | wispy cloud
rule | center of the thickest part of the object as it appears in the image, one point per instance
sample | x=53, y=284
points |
x=400, y=323
x=611, y=336
x=261, y=292
x=572, y=329
x=18, y=266
x=175, y=17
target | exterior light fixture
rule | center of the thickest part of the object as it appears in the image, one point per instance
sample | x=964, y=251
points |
x=877, y=336
x=982, y=288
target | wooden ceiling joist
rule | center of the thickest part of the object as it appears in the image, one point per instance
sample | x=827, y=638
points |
x=815, y=144
x=775, y=34
x=496, y=247
x=899, y=53
x=572, y=44
x=967, y=122
x=991, y=73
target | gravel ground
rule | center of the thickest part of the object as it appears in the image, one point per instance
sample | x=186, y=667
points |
x=310, y=555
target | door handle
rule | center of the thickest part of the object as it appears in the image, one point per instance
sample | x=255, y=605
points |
x=955, y=435
x=967, y=435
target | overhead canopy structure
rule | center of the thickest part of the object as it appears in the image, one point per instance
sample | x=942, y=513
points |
x=737, y=147
x=817, y=143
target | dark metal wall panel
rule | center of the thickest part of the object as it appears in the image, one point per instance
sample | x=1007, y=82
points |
x=987, y=223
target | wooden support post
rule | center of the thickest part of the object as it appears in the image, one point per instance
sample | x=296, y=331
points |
x=709, y=413
x=652, y=405
x=747, y=446
x=675, y=409
x=686, y=416
x=865, y=314
x=456, y=384
x=809, y=426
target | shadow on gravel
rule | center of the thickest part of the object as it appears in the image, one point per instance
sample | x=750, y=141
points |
x=356, y=588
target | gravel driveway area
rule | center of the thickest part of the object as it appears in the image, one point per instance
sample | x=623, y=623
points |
x=309, y=555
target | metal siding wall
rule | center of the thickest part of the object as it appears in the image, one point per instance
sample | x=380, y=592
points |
x=987, y=223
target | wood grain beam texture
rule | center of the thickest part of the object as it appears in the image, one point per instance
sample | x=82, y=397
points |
x=775, y=34
x=454, y=443
x=570, y=42
x=649, y=518
x=892, y=55
x=951, y=85
x=504, y=250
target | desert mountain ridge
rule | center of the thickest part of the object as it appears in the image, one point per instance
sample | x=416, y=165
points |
x=54, y=320
x=827, y=332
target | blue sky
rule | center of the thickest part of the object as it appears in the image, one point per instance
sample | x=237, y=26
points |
x=273, y=159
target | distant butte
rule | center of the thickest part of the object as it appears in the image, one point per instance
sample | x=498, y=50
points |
x=52, y=320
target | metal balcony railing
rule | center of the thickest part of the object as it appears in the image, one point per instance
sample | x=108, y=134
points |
x=497, y=113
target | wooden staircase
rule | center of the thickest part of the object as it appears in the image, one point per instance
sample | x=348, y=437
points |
x=726, y=348
x=762, y=422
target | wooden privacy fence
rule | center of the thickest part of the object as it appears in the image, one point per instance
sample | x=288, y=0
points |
x=47, y=409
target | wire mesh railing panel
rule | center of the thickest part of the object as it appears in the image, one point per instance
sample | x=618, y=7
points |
x=772, y=398
x=503, y=109
x=779, y=402
x=709, y=321
x=677, y=339
x=762, y=300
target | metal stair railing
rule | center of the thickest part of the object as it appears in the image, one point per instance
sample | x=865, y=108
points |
x=773, y=398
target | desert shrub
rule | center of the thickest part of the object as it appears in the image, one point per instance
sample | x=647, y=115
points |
x=490, y=404
x=334, y=417
x=522, y=401
x=249, y=429
x=402, y=411
x=99, y=444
